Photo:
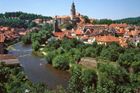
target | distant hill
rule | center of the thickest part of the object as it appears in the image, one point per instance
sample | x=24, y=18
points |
x=22, y=15
x=132, y=20
x=19, y=19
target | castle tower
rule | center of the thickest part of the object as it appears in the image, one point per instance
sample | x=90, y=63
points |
x=73, y=11
x=55, y=24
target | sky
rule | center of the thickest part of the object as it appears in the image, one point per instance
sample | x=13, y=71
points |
x=98, y=9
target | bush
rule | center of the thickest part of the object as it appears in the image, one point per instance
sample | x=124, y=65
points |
x=61, y=62
x=35, y=45
x=50, y=56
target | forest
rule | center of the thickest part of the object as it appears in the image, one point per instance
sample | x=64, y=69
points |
x=19, y=19
x=130, y=21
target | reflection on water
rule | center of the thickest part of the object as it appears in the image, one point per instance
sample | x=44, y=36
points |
x=36, y=68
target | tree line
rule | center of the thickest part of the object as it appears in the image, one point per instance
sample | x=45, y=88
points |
x=131, y=21
x=19, y=19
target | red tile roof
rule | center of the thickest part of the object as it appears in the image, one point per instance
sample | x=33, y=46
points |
x=121, y=31
x=107, y=39
x=118, y=25
x=78, y=32
x=59, y=34
x=133, y=33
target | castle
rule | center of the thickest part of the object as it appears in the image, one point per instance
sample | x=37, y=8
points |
x=75, y=19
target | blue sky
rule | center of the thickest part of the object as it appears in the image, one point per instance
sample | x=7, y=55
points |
x=111, y=9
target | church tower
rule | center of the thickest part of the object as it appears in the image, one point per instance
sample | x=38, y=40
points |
x=73, y=11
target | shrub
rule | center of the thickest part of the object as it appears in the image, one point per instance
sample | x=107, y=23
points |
x=61, y=62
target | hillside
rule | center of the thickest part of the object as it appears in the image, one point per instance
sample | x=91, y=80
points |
x=19, y=19
x=132, y=20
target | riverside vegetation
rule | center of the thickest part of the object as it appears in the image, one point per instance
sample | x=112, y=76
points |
x=117, y=71
x=117, y=68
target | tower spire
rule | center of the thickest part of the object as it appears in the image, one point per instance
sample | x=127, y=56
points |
x=73, y=10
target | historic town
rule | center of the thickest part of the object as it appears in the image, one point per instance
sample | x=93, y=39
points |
x=73, y=53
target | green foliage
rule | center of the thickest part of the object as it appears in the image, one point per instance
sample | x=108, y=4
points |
x=90, y=52
x=38, y=37
x=13, y=22
x=23, y=16
x=13, y=80
x=88, y=77
x=50, y=56
x=32, y=24
x=35, y=45
x=75, y=83
x=126, y=59
x=133, y=21
x=138, y=45
x=26, y=39
x=86, y=19
x=82, y=80
x=103, y=21
x=114, y=79
x=61, y=62
x=119, y=73
x=19, y=19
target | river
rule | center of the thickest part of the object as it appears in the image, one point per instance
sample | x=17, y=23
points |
x=37, y=69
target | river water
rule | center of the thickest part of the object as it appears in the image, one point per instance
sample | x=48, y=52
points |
x=37, y=69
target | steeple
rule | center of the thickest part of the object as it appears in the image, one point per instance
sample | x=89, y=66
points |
x=73, y=10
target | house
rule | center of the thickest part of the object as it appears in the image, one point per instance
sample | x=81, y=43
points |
x=2, y=39
x=106, y=39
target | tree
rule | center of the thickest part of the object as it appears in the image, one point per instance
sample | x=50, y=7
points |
x=50, y=56
x=26, y=39
x=109, y=54
x=103, y=21
x=35, y=45
x=32, y=24
x=113, y=79
x=90, y=52
x=126, y=59
x=89, y=78
x=61, y=62
x=75, y=83
x=86, y=19
x=138, y=45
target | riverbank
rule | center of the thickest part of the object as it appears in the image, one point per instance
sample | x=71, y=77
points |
x=37, y=69
x=9, y=59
